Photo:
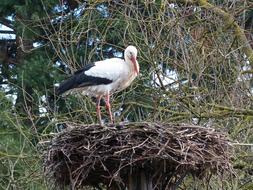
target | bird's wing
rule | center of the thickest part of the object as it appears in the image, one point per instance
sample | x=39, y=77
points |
x=101, y=72
x=85, y=68
x=110, y=69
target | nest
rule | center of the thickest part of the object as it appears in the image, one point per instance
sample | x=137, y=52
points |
x=109, y=156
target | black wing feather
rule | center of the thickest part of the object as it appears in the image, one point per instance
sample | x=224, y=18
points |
x=79, y=80
x=85, y=68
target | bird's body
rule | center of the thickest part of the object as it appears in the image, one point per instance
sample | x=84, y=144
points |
x=103, y=78
x=110, y=75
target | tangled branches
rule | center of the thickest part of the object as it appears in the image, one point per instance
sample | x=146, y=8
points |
x=91, y=155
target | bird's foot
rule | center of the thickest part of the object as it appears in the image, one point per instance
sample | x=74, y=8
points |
x=119, y=126
x=101, y=123
x=115, y=125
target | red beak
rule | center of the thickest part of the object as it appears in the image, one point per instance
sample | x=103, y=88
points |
x=133, y=59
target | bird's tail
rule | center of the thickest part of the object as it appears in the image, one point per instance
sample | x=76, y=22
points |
x=65, y=86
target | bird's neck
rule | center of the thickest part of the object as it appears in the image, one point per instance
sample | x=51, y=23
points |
x=130, y=65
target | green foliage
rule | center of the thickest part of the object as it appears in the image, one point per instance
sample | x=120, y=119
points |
x=5, y=109
x=19, y=163
x=19, y=160
x=37, y=72
x=211, y=87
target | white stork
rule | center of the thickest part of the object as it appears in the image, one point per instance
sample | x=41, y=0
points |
x=102, y=78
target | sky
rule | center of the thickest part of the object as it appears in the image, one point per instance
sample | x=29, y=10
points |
x=6, y=36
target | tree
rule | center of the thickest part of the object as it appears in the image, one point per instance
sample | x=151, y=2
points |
x=195, y=57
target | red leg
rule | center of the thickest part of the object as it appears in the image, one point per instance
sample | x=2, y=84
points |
x=98, y=110
x=108, y=107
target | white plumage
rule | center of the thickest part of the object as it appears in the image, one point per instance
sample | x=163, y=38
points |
x=104, y=78
x=114, y=69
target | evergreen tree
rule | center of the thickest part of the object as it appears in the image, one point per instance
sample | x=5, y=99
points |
x=196, y=67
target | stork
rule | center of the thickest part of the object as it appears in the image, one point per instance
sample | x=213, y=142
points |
x=103, y=78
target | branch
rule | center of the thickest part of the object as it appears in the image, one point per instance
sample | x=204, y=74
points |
x=229, y=21
x=247, y=72
x=247, y=112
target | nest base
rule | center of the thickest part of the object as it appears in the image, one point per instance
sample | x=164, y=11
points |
x=149, y=155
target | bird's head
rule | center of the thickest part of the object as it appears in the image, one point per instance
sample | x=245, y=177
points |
x=131, y=55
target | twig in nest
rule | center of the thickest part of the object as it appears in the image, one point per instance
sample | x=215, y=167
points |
x=91, y=155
